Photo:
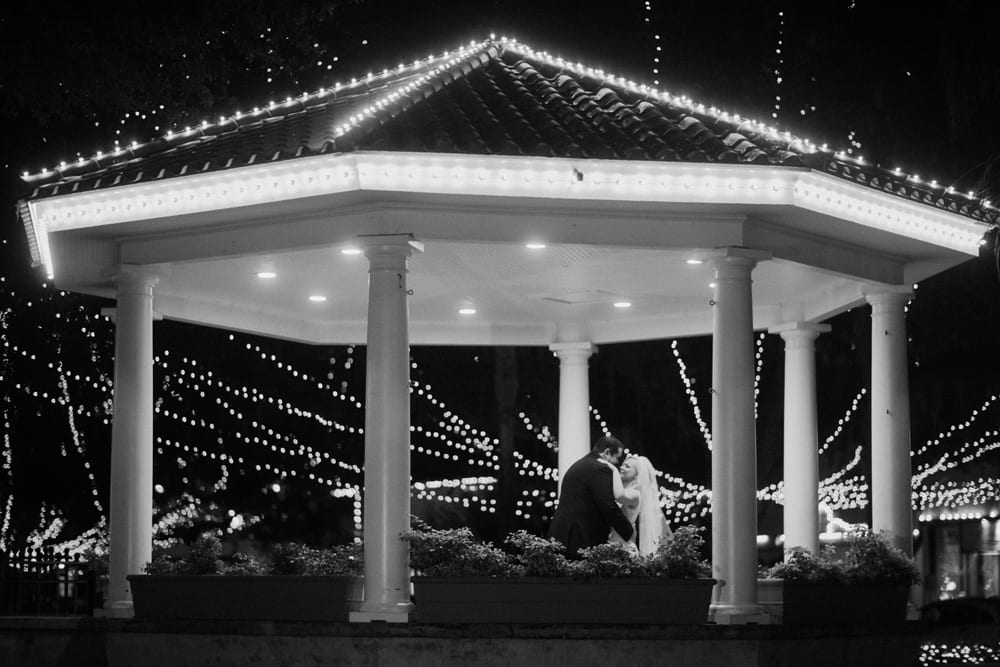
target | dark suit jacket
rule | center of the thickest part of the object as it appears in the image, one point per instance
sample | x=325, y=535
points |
x=587, y=509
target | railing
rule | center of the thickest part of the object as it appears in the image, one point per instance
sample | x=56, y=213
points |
x=46, y=582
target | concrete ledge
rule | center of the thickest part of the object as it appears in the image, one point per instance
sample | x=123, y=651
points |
x=117, y=642
x=73, y=641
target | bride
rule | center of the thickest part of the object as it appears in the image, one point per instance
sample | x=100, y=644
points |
x=635, y=488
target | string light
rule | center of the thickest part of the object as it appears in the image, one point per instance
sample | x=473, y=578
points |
x=958, y=652
x=692, y=397
x=843, y=421
x=759, y=365
x=657, y=49
x=778, y=75
x=541, y=432
x=601, y=423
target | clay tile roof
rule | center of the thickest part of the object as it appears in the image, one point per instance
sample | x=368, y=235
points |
x=494, y=98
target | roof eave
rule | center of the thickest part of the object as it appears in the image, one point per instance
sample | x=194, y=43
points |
x=24, y=212
x=499, y=176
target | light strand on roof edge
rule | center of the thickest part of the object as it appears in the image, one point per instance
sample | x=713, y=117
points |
x=799, y=144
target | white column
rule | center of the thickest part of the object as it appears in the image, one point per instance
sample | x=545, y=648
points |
x=801, y=442
x=131, y=511
x=387, y=433
x=574, y=402
x=890, y=406
x=734, y=439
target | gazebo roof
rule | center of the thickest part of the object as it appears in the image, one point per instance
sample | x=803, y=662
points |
x=476, y=152
x=493, y=98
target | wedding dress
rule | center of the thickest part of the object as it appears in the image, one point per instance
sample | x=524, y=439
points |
x=640, y=501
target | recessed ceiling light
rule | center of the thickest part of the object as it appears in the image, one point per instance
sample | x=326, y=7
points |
x=712, y=285
x=623, y=304
x=351, y=251
x=534, y=246
x=466, y=311
x=317, y=298
x=267, y=274
x=694, y=261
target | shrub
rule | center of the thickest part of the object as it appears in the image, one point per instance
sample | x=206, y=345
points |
x=340, y=560
x=289, y=558
x=204, y=557
x=454, y=552
x=164, y=564
x=873, y=558
x=803, y=565
x=536, y=556
x=869, y=558
x=679, y=556
x=297, y=558
x=612, y=560
x=241, y=564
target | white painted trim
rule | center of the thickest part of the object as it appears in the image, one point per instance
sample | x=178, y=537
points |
x=502, y=176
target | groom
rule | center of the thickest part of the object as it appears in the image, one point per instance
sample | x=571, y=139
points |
x=587, y=509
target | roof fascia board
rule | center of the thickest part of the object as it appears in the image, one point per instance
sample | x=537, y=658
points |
x=866, y=206
x=502, y=176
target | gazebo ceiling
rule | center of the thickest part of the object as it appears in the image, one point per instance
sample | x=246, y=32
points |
x=477, y=154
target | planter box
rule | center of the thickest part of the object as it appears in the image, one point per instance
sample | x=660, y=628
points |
x=810, y=603
x=258, y=598
x=561, y=600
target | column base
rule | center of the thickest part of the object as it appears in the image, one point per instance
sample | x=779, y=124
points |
x=121, y=609
x=737, y=614
x=390, y=612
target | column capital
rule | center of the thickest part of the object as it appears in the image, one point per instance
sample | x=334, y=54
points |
x=576, y=350
x=136, y=278
x=799, y=331
x=402, y=245
x=882, y=297
x=735, y=256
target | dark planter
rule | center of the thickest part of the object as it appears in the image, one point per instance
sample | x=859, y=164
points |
x=256, y=598
x=560, y=600
x=812, y=603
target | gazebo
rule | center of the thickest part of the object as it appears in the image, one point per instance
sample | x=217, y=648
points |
x=498, y=195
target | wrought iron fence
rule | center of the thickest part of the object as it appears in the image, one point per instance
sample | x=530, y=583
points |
x=47, y=582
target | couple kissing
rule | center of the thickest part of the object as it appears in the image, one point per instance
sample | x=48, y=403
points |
x=599, y=503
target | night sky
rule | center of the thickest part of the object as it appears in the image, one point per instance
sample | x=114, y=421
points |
x=918, y=90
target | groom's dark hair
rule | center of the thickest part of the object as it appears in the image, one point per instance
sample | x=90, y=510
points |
x=607, y=442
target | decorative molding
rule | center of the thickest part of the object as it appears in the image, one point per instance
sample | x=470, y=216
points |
x=500, y=176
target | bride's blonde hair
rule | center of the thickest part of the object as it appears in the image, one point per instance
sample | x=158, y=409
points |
x=652, y=524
